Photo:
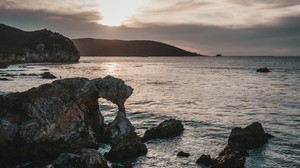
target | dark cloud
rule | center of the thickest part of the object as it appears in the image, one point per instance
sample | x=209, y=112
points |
x=269, y=3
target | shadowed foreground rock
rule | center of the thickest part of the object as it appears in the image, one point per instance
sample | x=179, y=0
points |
x=241, y=140
x=55, y=118
x=86, y=158
x=166, y=129
x=125, y=144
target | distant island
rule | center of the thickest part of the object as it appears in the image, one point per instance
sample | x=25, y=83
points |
x=104, y=47
x=18, y=46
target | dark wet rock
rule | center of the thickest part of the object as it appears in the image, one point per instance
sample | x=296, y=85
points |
x=166, y=129
x=32, y=74
x=263, y=70
x=183, y=154
x=241, y=140
x=4, y=79
x=127, y=147
x=86, y=158
x=48, y=75
x=55, y=118
x=125, y=144
x=219, y=55
x=205, y=160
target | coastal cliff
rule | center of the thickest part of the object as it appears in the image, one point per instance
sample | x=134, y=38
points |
x=18, y=46
x=103, y=47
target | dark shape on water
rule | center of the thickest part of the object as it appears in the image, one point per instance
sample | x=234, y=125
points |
x=219, y=55
x=62, y=116
x=48, y=75
x=265, y=69
x=183, y=154
x=4, y=79
x=166, y=129
x=18, y=46
x=239, y=141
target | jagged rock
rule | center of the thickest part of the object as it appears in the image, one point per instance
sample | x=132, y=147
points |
x=241, y=140
x=48, y=75
x=121, y=126
x=127, y=147
x=86, y=158
x=263, y=70
x=62, y=116
x=183, y=154
x=205, y=160
x=166, y=129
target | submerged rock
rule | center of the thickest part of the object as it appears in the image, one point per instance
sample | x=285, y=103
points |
x=62, y=116
x=240, y=140
x=166, y=129
x=86, y=158
x=183, y=154
x=48, y=75
x=263, y=70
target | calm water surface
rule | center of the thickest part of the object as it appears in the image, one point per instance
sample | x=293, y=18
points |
x=210, y=96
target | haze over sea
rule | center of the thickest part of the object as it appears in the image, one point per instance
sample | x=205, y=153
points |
x=211, y=95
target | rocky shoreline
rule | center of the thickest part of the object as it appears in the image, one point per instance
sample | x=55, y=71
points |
x=60, y=125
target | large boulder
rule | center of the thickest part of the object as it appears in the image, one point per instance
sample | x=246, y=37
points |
x=87, y=158
x=165, y=129
x=240, y=140
x=62, y=116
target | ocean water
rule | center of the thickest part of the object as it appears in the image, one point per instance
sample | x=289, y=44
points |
x=210, y=95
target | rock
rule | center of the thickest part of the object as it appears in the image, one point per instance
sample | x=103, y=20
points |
x=263, y=70
x=127, y=147
x=166, y=129
x=87, y=158
x=48, y=75
x=59, y=117
x=219, y=55
x=253, y=136
x=121, y=126
x=183, y=154
x=205, y=160
x=240, y=140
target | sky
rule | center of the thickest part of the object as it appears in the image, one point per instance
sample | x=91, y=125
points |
x=209, y=27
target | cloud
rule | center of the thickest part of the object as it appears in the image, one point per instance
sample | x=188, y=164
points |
x=268, y=3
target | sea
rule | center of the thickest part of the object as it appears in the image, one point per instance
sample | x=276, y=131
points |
x=210, y=95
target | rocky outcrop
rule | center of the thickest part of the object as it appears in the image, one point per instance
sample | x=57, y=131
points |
x=62, y=116
x=87, y=158
x=17, y=46
x=265, y=70
x=166, y=129
x=48, y=75
x=124, y=142
x=205, y=160
x=183, y=154
x=240, y=140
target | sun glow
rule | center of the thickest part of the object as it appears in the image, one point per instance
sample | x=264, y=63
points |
x=116, y=12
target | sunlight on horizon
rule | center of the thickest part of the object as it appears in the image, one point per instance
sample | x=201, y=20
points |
x=115, y=13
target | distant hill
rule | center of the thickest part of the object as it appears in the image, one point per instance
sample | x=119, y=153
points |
x=102, y=47
x=36, y=46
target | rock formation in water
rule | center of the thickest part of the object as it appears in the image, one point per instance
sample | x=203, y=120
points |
x=17, y=46
x=85, y=158
x=165, y=129
x=239, y=141
x=55, y=118
x=102, y=47
x=265, y=69
x=125, y=144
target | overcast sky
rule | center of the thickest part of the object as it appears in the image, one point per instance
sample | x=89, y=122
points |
x=229, y=27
